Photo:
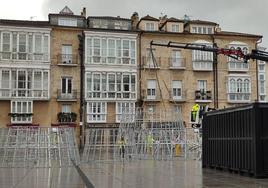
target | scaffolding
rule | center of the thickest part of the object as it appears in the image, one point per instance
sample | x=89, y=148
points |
x=38, y=147
x=142, y=135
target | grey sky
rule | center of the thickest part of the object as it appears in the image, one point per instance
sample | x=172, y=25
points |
x=246, y=16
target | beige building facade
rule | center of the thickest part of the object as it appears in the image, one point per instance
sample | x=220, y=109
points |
x=176, y=79
x=72, y=70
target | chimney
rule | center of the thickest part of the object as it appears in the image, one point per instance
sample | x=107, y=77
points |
x=217, y=29
x=135, y=20
x=162, y=20
x=84, y=12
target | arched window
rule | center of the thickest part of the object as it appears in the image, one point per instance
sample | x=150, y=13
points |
x=245, y=50
x=239, y=86
x=232, y=86
x=246, y=86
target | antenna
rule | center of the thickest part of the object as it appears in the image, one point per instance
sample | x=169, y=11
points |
x=32, y=17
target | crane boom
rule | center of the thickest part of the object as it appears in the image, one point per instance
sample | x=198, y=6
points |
x=234, y=53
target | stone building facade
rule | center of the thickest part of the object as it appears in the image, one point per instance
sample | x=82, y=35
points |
x=176, y=79
x=74, y=69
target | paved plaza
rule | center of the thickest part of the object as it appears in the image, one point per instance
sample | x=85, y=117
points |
x=145, y=173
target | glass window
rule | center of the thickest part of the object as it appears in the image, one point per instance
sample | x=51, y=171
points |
x=38, y=43
x=22, y=42
x=126, y=83
x=111, y=78
x=5, y=79
x=96, y=82
x=68, y=22
x=202, y=85
x=24, y=108
x=37, y=80
x=176, y=89
x=6, y=42
x=149, y=27
x=66, y=54
x=175, y=28
x=66, y=108
x=96, y=111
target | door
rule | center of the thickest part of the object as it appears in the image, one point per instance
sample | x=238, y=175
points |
x=66, y=87
x=67, y=54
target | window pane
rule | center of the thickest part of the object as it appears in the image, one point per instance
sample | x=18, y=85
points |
x=38, y=43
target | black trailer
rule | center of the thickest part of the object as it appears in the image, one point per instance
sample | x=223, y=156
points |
x=236, y=139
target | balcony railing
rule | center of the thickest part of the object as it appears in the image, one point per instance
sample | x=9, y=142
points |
x=24, y=93
x=177, y=63
x=67, y=96
x=179, y=97
x=67, y=59
x=65, y=117
x=21, y=117
x=149, y=63
x=238, y=66
x=108, y=95
x=238, y=97
x=202, y=65
x=24, y=56
x=203, y=96
x=151, y=96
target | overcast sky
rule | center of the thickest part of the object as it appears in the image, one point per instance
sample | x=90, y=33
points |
x=248, y=16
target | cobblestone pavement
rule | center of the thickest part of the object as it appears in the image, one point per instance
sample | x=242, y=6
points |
x=146, y=173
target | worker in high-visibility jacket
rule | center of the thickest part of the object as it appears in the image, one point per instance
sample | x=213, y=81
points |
x=122, y=144
x=150, y=141
x=194, y=112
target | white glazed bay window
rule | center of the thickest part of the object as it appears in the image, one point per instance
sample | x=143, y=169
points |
x=238, y=64
x=24, y=83
x=239, y=89
x=21, y=111
x=111, y=85
x=96, y=112
x=202, y=60
x=24, y=46
x=125, y=110
x=110, y=50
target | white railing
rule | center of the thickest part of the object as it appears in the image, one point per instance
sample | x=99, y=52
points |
x=202, y=65
x=239, y=97
x=107, y=95
x=237, y=66
x=24, y=93
x=23, y=56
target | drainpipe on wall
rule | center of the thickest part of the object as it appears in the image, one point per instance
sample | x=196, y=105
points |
x=215, y=75
x=81, y=38
x=257, y=70
x=140, y=92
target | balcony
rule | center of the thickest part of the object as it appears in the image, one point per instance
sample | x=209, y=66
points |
x=181, y=97
x=22, y=118
x=7, y=94
x=202, y=65
x=177, y=63
x=203, y=96
x=151, y=96
x=65, y=117
x=111, y=96
x=149, y=63
x=24, y=56
x=67, y=60
x=67, y=96
x=238, y=66
x=238, y=97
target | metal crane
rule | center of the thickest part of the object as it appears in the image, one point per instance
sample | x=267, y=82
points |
x=234, y=53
